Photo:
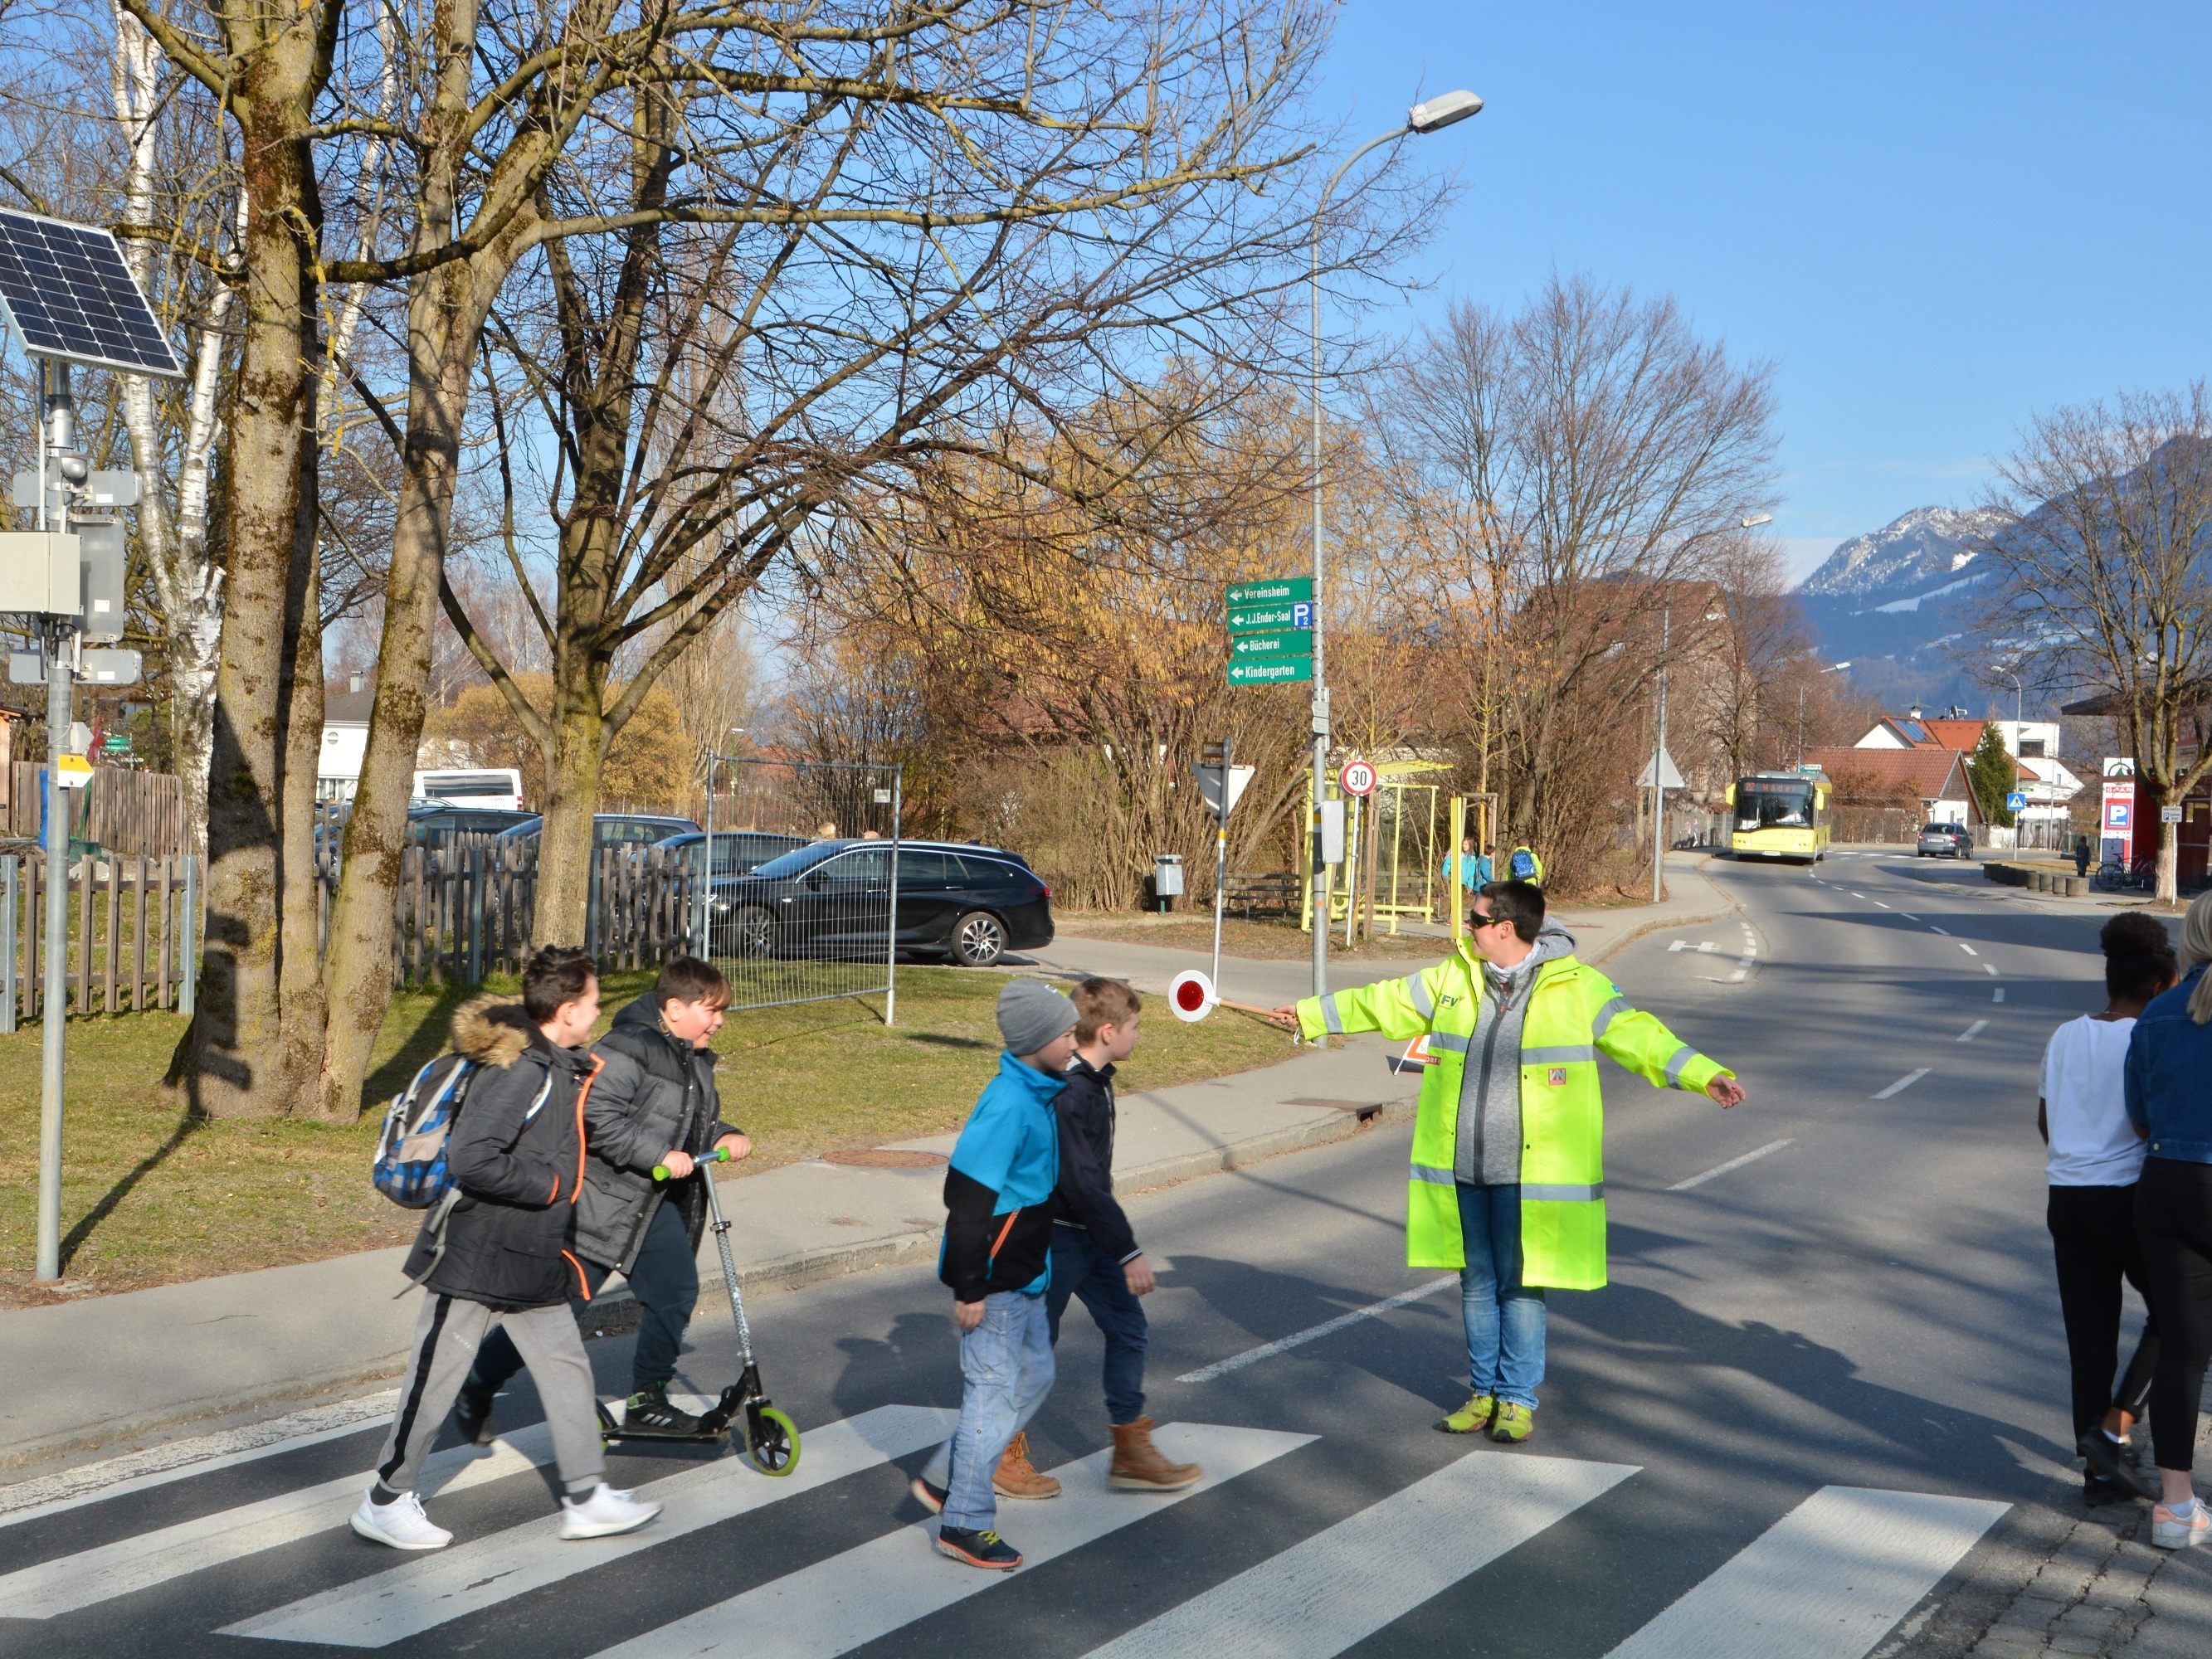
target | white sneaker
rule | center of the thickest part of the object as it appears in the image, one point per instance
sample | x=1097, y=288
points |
x=2170, y=1530
x=400, y=1524
x=604, y=1513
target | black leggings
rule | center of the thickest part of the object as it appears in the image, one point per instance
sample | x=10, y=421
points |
x=2174, y=1217
x=2093, y=1238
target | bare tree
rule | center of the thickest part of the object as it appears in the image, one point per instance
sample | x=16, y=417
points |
x=2104, y=592
x=1581, y=457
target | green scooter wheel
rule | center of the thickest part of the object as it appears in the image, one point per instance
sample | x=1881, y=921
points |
x=771, y=1441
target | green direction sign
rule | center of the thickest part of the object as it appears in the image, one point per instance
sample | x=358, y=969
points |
x=1289, y=613
x=1271, y=671
x=1292, y=643
x=1282, y=590
x=118, y=743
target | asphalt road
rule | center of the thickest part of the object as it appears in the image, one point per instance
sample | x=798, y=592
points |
x=1820, y=1378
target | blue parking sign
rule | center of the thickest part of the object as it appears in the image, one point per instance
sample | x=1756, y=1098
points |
x=1302, y=614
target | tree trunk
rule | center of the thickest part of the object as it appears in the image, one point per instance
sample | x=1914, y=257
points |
x=572, y=795
x=231, y=1060
x=300, y=981
x=444, y=319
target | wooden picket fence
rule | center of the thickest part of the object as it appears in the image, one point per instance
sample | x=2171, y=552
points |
x=467, y=907
x=122, y=811
x=133, y=930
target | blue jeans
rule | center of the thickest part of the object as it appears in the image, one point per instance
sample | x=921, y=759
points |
x=1005, y=1365
x=1080, y=1269
x=664, y=1277
x=1504, y=1317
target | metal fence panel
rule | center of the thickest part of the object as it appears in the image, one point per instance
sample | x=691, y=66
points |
x=803, y=898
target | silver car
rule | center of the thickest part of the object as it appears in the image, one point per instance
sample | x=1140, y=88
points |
x=1945, y=841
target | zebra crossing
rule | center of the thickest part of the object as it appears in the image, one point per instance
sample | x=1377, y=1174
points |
x=1826, y=1580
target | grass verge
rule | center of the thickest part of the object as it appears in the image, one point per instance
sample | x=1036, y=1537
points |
x=1271, y=941
x=150, y=1197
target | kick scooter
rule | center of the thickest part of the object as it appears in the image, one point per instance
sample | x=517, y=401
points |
x=770, y=1439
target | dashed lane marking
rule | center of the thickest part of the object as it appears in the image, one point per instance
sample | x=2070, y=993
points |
x=1968, y=948
x=1944, y=931
x=1733, y=1163
x=1990, y=968
x=1997, y=995
x=1973, y=1030
x=1298, y=1339
x=1902, y=1084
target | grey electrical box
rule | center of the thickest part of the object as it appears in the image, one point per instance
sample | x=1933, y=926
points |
x=39, y=573
x=102, y=548
x=110, y=667
x=25, y=668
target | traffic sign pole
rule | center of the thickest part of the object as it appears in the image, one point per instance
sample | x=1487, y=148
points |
x=54, y=427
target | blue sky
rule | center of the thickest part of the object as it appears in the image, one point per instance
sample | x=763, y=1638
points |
x=1936, y=218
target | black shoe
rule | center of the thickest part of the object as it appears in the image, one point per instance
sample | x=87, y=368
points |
x=2103, y=1455
x=472, y=1416
x=648, y=1410
x=978, y=1549
x=2096, y=1491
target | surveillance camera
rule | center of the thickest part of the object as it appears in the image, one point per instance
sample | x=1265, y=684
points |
x=74, y=468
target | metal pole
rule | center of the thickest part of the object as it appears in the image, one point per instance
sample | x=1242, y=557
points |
x=703, y=945
x=54, y=430
x=1658, y=756
x=10, y=916
x=891, y=943
x=1320, y=657
x=1220, y=858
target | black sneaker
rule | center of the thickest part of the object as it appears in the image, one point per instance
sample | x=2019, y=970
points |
x=978, y=1549
x=472, y=1416
x=648, y=1410
x=2108, y=1462
x=930, y=1498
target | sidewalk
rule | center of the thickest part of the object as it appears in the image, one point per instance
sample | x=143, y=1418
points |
x=110, y=1372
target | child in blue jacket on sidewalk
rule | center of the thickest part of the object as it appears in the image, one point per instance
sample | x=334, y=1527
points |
x=996, y=1258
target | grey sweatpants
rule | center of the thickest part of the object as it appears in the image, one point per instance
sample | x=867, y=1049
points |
x=446, y=1338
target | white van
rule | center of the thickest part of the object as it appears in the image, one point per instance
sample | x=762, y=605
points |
x=480, y=786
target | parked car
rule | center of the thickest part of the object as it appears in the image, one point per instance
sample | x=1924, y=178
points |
x=1944, y=841
x=473, y=786
x=428, y=821
x=610, y=829
x=832, y=898
x=737, y=851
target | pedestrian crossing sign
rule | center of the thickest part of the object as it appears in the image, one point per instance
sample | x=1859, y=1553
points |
x=1417, y=1057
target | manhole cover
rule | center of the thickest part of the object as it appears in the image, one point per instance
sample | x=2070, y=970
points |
x=884, y=1157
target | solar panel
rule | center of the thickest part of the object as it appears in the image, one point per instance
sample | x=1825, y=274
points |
x=69, y=295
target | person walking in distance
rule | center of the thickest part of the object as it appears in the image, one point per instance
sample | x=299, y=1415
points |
x=1508, y=1179
x=2169, y=1057
x=996, y=1259
x=517, y=1157
x=653, y=1105
x=2080, y=855
x=2095, y=1160
x=1094, y=1257
x=1522, y=864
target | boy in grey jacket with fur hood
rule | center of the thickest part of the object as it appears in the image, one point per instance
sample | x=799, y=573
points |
x=653, y=1102
x=502, y=1258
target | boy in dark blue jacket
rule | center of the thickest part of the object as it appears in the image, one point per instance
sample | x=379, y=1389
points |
x=997, y=1260
x=1094, y=1253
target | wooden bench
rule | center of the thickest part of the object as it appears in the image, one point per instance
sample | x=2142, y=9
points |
x=1278, y=893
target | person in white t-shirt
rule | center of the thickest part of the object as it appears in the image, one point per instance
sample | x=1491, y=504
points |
x=2095, y=1155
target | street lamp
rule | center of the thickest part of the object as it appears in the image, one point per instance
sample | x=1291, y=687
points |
x=1832, y=668
x=2019, y=709
x=1432, y=115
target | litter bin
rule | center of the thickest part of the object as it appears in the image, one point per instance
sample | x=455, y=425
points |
x=1167, y=877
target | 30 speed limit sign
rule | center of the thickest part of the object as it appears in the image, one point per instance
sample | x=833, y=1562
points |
x=1357, y=778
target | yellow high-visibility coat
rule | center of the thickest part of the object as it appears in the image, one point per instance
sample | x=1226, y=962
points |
x=1574, y=1014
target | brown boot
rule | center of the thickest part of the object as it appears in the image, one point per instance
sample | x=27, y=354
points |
x=1017, y=1477
x=1138, y=1465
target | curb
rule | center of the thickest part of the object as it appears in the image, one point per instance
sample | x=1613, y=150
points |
x=1659, y=923
x=617, y=1312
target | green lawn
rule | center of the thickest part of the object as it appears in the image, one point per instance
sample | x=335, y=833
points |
x=1269, y=940
x=149, y=1197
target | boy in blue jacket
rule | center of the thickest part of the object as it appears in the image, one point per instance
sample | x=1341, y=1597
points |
x=997, y=1260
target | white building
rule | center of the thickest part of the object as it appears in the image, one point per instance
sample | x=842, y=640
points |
x=345, y=740
x=2044, y=778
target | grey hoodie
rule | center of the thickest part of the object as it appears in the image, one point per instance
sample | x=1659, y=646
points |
x=1488, y=1153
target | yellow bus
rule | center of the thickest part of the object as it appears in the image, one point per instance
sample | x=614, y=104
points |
x=1779, y=815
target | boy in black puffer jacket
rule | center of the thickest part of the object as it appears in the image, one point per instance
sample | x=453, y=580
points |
x=502, y=1257
x=654, y=1102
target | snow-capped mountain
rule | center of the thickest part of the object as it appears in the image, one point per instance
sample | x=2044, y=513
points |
x=1899, y=604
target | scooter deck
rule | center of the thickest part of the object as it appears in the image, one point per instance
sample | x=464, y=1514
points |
x=715, y=1425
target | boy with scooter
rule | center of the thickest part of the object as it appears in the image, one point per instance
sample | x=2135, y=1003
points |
x=997, y=1261
x=1095, y=1258
x=499, y=1255
x=654, y=1106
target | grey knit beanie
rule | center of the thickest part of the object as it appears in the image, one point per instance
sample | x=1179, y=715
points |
x=1031, y=1014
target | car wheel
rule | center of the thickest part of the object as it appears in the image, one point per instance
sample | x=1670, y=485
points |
x=979, y=939
x=753, y=933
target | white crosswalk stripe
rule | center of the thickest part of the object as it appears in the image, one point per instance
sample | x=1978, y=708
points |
x=1828, y=1581
x=83, y=1580
x=1341, y=1585
x=849, y=1600
x=470, y=1576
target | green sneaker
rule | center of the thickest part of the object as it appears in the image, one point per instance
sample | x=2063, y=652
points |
x=1515, y=1423
x=1473, y=1418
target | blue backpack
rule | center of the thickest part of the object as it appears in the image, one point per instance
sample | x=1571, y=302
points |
x=410, y=1152
x=1523, y=864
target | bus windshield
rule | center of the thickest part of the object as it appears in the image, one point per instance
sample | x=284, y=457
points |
x=1773, y=803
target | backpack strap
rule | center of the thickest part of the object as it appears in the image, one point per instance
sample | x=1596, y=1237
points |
x=435, y=1225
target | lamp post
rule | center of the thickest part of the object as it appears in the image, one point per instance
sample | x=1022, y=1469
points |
x=1832, y=668
x=1432, y=115
x=704, y=945
x=2019, y=712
